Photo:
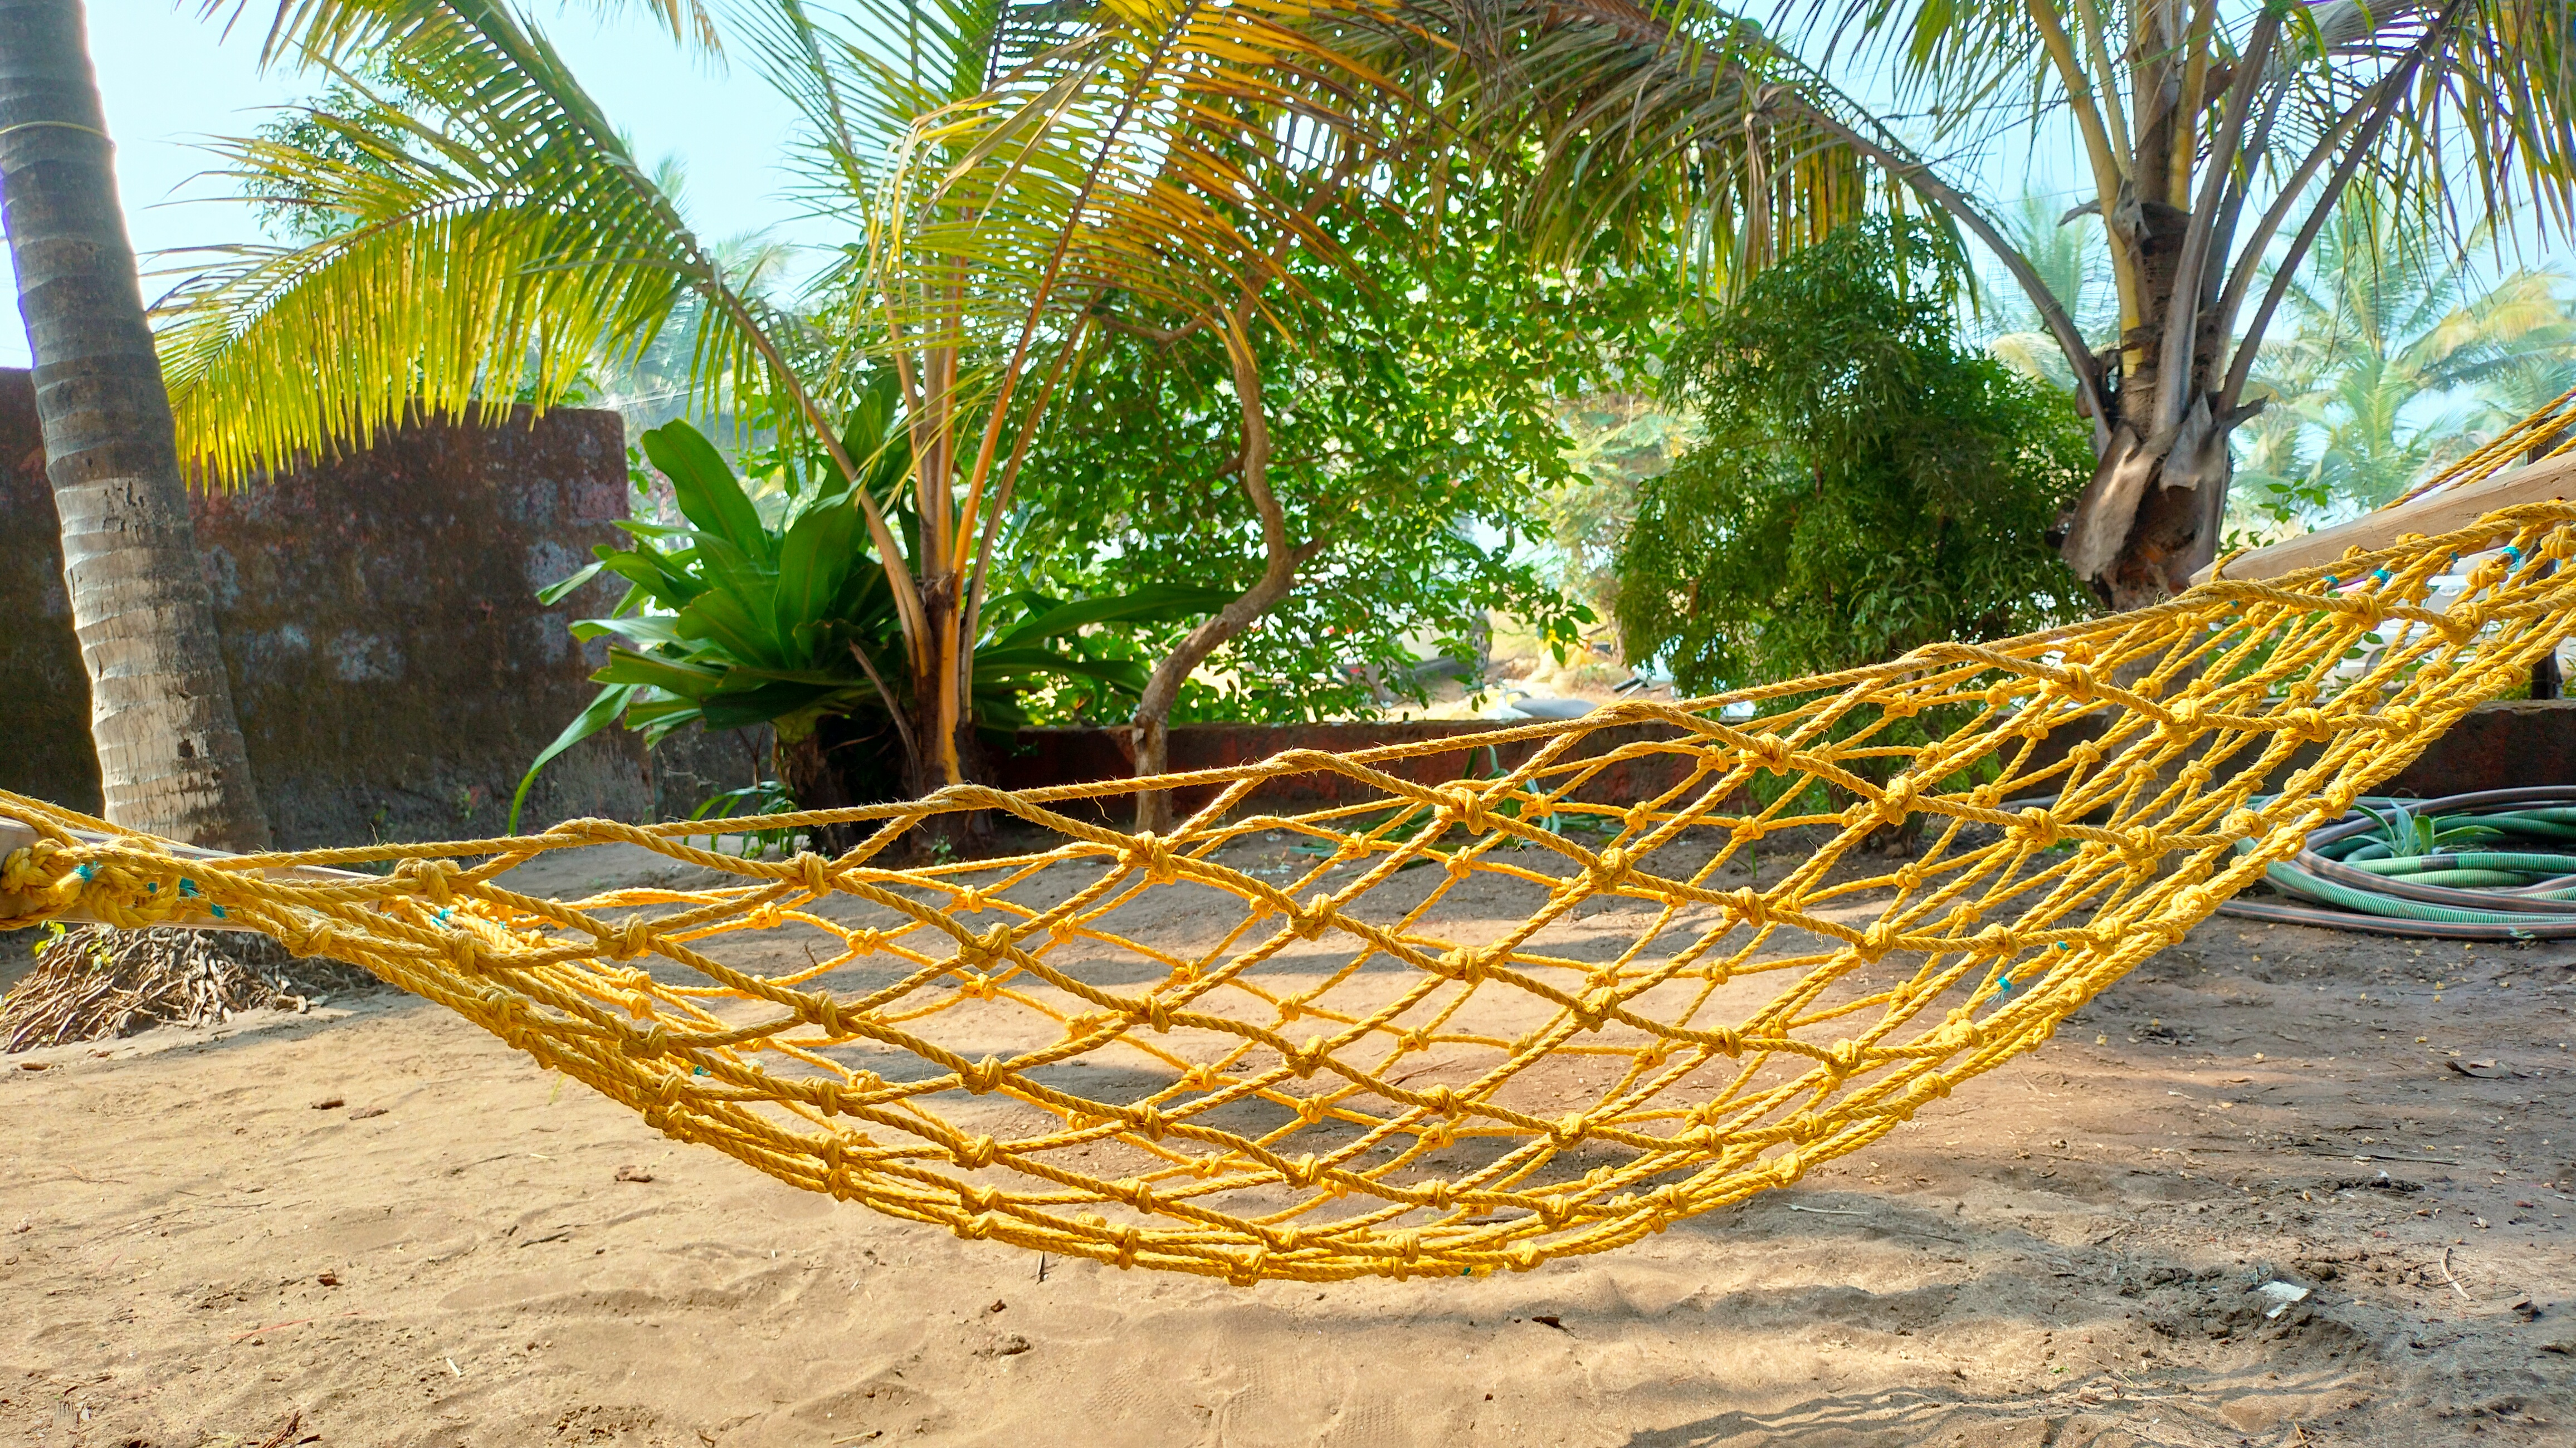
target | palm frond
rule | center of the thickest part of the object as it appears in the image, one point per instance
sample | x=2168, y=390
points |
x=1662, y=124
x=489, y=253
x=1167, y=152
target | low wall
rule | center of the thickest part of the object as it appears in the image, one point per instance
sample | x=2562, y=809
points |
x=1045, y=757
x=391, y=667
x=2514, y=744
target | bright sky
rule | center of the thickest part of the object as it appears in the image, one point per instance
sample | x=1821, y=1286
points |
x=171, y=80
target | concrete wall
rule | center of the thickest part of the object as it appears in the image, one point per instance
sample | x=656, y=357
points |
x=2509, y=745
x=391, y=666
x=1044, y=757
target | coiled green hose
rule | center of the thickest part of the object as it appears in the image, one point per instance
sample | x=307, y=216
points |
x=2376, y=870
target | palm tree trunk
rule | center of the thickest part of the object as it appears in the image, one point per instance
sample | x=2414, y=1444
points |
x=2154, y=511
x=170, y=750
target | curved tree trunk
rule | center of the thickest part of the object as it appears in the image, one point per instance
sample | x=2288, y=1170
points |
x=1151, y=724
x=170, y=754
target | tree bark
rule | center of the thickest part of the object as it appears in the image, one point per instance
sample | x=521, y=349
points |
x=170, y=752
x=1151, y=725
x=842, y=761
x=2153, y=513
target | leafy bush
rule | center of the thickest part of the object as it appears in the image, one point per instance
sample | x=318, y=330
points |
x=768, y=608
x=1864, y=484
x=1411, y=387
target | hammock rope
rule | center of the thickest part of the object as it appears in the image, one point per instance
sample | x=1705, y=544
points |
x=1470, y=1026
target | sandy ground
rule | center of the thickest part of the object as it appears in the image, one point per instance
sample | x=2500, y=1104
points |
x=375, y=1225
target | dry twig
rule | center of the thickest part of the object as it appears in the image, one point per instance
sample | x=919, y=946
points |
x=95, y=983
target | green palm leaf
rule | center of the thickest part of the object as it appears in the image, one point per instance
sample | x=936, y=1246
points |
x=487, y=257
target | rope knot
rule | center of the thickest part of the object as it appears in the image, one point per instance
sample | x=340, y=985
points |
x=430, y=879
x=25, y=872
x=1304, y=1059
x=648, y=1043
x=975, y=1153
x=1845, y=1058
x=1771, y=752
x=1466, y=963
x=992, y=945
x=812, y=871
x=1597, y=1006
x=1748, y=903
x=2039, y=827
x=981, y=1077
x=2144, y=851
x=1877, y=940
x=1468, y=803
x=826, y=1012
x=1896, y=799
x=630, y=938
x=1309, y=920
x=1568, y=1129
x=310, y=936
x=1152, y=854
x=1607, y=869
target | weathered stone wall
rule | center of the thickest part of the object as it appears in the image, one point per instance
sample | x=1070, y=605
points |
x=392, y=668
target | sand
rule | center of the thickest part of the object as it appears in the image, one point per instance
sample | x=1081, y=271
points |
x=373, y=1224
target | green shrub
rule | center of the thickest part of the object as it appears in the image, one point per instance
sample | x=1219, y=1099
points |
x=1864, y=485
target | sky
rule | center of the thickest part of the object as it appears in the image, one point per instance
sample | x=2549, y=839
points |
x=170, y=80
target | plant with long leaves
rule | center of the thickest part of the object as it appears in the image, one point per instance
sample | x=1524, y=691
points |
x=2216, y=143
x=763, y=609
x=2404, y=835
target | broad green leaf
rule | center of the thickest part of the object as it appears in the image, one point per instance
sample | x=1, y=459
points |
x=708, y=493
x=602, y=712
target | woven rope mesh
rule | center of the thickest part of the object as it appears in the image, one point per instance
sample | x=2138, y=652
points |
x=1443, y=1026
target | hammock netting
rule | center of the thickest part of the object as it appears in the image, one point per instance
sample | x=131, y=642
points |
x=1471, y=1025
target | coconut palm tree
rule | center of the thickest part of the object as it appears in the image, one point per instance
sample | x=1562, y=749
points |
x=169, y=747
x=1009, y=175
x=2216, y=144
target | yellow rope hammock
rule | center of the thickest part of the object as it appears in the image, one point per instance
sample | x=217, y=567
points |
x=1150, y=1052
